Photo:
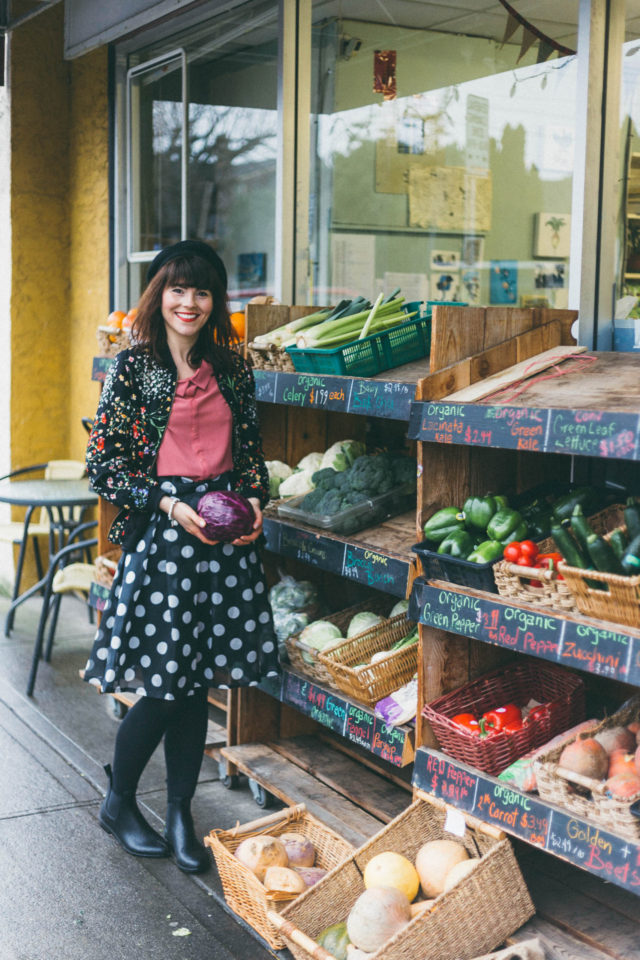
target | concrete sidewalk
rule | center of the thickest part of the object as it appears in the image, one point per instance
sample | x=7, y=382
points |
x=68, y=891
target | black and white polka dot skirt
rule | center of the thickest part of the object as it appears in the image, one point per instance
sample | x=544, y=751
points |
x=182, y=614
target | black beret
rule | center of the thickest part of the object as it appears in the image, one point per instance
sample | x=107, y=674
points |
x=188, y=248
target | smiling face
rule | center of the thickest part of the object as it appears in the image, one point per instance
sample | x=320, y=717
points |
x=185, y=310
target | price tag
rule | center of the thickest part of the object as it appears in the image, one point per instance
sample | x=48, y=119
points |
x=455, y=823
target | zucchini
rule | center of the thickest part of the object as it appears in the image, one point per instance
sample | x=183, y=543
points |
x=567, y=546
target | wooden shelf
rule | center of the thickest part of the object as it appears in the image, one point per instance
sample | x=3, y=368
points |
x=586, y=845
x=595, y=646
x=377, y=557
x=590, y=410
x=352, y=721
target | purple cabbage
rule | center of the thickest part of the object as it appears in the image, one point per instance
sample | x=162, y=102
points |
x=229, y=515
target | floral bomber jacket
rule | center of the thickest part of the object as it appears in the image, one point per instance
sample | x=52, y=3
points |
x=132, y=415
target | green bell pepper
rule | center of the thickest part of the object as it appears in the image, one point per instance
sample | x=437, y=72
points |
x=538, y=516
x=478, y=511
x=506, y=525
x=486, y=552
x=442, y=523
x=459, y=543
x=501, y=500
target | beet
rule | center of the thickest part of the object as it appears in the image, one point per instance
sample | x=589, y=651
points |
x=228, y=515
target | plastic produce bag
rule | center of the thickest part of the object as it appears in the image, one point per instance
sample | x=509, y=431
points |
x=400, y=706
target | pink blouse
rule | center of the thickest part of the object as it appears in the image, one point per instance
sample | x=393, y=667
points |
x=197, y=439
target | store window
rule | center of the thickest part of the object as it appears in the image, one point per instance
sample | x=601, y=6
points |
x=626, y=334
x=198, y=151
x=442, y=151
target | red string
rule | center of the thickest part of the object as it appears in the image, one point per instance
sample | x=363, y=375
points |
x=580, y=360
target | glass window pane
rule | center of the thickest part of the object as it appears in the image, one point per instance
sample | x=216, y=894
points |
x=452, y=180
x=229, y=182
x=627, y=326
x=156, y=131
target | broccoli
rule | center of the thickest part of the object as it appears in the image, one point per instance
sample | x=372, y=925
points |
x=369, y=474
x=353, y=497
x=311, y=501
x=330, y=504
x=404, y=470
x=341, y=481
x=325, y=479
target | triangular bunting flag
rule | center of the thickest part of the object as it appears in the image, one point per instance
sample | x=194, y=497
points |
x=544, y=51
x=528, y=39
x=510, y=29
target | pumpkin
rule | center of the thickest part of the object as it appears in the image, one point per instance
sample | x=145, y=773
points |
x=335, y=940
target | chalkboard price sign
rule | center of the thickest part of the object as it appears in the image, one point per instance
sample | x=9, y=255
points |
x=359, y=726
x=388, y=742
x=594, y=433
x=522, y=815
x=265, y=385
x=604, y=651
x=307, y=390
x=381, y=398
x=376, y=570
x=304, y=545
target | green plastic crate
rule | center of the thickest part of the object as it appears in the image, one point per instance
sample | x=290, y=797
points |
x=380, y=351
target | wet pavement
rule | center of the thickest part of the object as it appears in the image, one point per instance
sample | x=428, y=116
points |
x=68, y=891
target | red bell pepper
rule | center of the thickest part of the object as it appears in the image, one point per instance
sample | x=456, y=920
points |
x=549, y=561
x=467, y=721
x=497, y=718
x=512, y=727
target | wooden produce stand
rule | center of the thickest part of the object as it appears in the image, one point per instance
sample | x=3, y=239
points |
x=302, y=741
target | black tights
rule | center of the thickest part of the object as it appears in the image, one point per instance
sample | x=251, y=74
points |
x=183, y=723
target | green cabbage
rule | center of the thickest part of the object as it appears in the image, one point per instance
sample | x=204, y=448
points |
x=290, y=594
x=287, y=623
x=320, y=634
x=401, y=607
x=362, y=621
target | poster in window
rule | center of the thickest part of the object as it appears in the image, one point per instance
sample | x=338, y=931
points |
x=552, y=235
x=503, y=282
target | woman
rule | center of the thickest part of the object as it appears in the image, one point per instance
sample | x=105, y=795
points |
x=177, y=417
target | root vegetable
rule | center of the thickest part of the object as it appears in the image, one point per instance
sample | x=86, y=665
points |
x=259, y=853
x=283, y=880
x=616, y=738
x=586, y=757
x=311, y=875
x=300, y=851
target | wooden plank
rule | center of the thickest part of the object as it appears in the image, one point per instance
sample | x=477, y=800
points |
x=263, y=317
x=346, y=776
x=292, y=785
x=493, y=360
x=217, y=698
x=400, y=776
x=557, y=944
x=505, y=323
x=257, y=715
x=538, y=340
x=527, y=368
x=580, y=917
x=456, y=332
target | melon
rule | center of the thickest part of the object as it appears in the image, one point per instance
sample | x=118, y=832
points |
x=259, y=853
x=616, y=738
x=390, y=869
x=376, y=916
x=586, y=757
x=458, y=872
x=434, y=861
x=335, y=940
x=419, y=906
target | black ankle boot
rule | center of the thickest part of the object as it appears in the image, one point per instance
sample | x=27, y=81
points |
x=190, y=855
x=119, y=815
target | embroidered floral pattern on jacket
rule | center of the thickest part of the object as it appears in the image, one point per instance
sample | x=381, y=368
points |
x=132, y=416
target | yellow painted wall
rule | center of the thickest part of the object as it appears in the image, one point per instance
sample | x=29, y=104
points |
x=89, y=233
x=60, y=240
x=40, y=324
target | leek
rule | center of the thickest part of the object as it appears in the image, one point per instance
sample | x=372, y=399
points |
x=349, y=332
x=369, y=320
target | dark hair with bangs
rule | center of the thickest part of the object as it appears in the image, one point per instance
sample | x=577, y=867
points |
x=215, y=338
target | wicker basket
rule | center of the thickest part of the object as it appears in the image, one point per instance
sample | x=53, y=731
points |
x=111, y=342
x=514, y=582
x=474, y=917
x=242, y=890
x=307, y=660
x=348, y=665
x=269, y=357
x=584, y=797
x=517, y=684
